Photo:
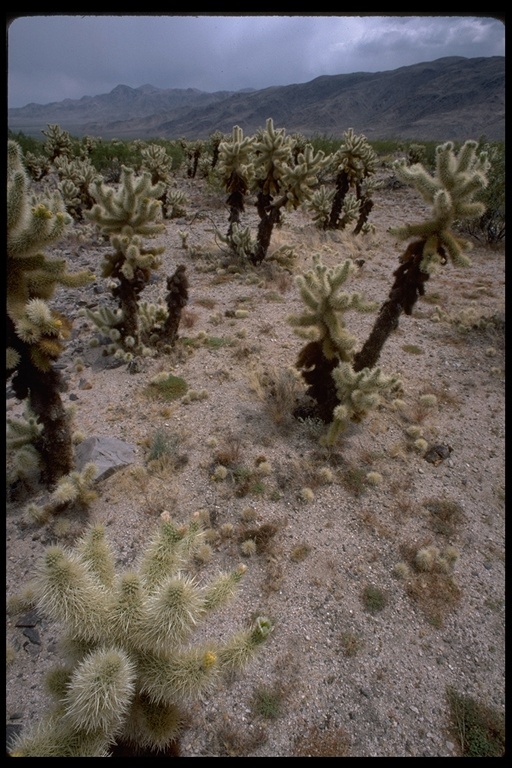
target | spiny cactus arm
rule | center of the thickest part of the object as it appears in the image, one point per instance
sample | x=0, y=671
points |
x=299, y=180
x=173, y=610
x=320, y=290
x=355, y=156
x=100, y=692
x=68, y=591
x=129, y=610
x=222, y=589
x=135, y=205
x=75, y=488
x=181, y=676
x=34, y=320
x=240, y=649
x=235, y=161
x=450, y=191
x=358, y=393
x=156, y=160
x=106, y=319
x=54, y=737
x=135, y=255
x=40, y=228
x=22, y=431
x=94, y=549
x=152, y=726
x=320, y=204
x=167, y=552
x=58, y=142
x=272, y=151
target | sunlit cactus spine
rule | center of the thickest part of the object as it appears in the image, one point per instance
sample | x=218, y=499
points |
x=126, y=216
x=451, y=191
x=35, y=332
x=130, y=661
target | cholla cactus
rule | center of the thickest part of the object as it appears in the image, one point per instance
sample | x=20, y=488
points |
x=159, y=164
x=320, y=205
x=37, y=166
x=35, y=332
x=175, y=203
x=127, y=215
x=330, y=343
x=451, y=192
x=276, y=174
x=237, y=172
x=193, y=151
x=131, y=663
x=268, y=165
x=358, y=393
x=75, y=176
x=22, y=436
x=213, y=144
x=74, y=490
x=58, y=143
x=354, y=162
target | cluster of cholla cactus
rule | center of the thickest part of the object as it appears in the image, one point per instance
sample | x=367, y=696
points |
x=354, y=165
x=346, y=385
x=193, y=151
x=35, y=332
x=451, y=192
x=75, y=177
x=126, y=216
x=58, y=143
x=237, y=173
x=266, y=165
x=131, y=663
x=159, y=164
x=341, y=395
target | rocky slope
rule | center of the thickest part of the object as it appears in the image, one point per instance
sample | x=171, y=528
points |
x=451, y=97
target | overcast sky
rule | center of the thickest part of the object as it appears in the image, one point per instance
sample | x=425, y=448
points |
x=54, y=57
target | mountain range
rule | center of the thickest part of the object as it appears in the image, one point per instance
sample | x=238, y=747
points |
x=452, y=98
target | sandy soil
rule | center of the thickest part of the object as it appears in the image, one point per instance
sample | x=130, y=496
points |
x=333, y=527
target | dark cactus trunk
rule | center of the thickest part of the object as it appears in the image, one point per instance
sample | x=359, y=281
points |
x=42, y=390
x=408, y=286
x=316, y=370
x=270, y=215
x=127, y=294
x=342, y=187
x=176, y=299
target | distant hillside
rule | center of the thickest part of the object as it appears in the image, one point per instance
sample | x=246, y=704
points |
x=452, y=98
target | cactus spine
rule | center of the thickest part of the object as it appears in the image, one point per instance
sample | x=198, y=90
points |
x=130, y=662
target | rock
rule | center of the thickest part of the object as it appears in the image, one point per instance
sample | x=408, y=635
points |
x=437, y=453
x=108, y=453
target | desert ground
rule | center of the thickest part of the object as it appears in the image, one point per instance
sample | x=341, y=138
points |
x=365, y=644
